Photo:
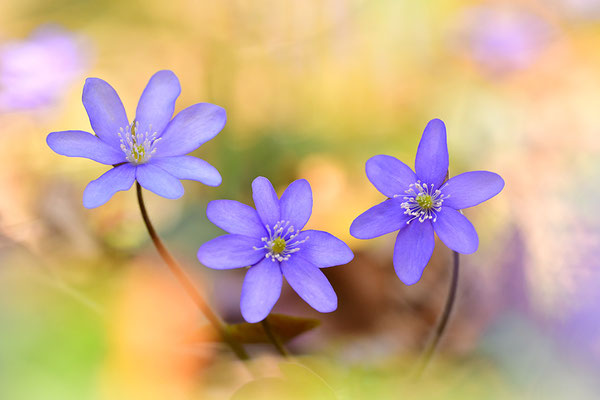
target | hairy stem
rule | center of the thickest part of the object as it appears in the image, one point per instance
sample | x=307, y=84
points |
x=188, y=285
x=442, y=322
x=273, y=338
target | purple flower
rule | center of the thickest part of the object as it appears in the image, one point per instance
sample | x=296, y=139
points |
x=270, y=240
x=422, y=203
x=35, y=72
x=583, y=9
x=503, y=39
x=151, y=149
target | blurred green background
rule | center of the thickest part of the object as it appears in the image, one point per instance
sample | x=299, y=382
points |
x=312, y=90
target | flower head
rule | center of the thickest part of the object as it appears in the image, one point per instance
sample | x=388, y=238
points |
x=503, y=39
x=271, y=242
x=421, y=203
x=35, y=71
x=151, y=149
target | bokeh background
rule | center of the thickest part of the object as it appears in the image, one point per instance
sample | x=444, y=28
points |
x=312, y=90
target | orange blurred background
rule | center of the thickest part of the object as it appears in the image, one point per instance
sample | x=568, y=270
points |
x=312, y=90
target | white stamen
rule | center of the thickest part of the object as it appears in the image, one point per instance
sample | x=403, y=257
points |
x=277, y=233
x=138, y=146
x=422, y=202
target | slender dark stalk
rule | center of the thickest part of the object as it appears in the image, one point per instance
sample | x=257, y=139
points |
x=188, y=285
x=442, y=322
x=273, y=338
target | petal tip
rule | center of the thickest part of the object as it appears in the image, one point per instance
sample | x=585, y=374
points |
x=436, y=123
x=216, y=181
x=251, y=318
x=327, y=308
x=409, y=281
x=166, y=72
x=91, y=203
x=357, y=232
x=350, y=256
x=501, y=182
x=90, y=82
x=260, y=179
x=253, y=314
x=353, y=230
x=200, y=255
x=469, y=250
x=50, y=140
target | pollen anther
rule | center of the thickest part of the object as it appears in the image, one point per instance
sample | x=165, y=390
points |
x=280, y=244
x=422, y=202
x=138, y=147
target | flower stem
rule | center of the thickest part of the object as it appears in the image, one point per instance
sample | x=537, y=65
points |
x=187, y=284
x=273, y=338
x=442, y=322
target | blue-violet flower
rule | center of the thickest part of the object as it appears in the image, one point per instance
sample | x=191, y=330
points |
x=271, y=242
x=151, y=149
x=37, y=71
x=420, y=204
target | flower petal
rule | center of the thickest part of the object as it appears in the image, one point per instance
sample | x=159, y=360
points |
x=296, y=203
x=157, y=102
x=191, y=128
x=383, y=218
x=265, y=201
x=456, y=231
x=84, y=144
x=105, y=110
x=389, y=175
x=323, y=249
x=413, y=250
x=261, y=290
x=471, y=188
x=159, y=181
x=310, y=284
x=230, y=251
x=188, y=167
x=100, y=190
x=235, y=217
x=431, y=163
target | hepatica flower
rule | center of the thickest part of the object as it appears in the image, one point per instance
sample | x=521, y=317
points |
x=151, y=149
x=271, y=242
x=503, y=39
x=35, y=71
x=421, y=203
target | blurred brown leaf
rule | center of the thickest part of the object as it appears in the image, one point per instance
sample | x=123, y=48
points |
x=286, y=327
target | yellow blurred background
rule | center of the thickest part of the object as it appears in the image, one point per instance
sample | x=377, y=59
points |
x=312, y=90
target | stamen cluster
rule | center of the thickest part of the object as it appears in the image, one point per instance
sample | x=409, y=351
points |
x=422, y=202
x=279, y=245
x=137, y=146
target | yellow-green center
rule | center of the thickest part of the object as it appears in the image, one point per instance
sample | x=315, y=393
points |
x=138, y=152
x=278, y=246
x=138, y=146
x=424, y=201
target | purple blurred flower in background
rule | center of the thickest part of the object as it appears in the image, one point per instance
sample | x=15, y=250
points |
x=270, y=240
x=36, y=71
x=503, y=39
x=421, y=204
x=581, y=9
x=151, y=149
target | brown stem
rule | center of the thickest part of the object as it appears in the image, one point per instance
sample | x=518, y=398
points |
x=273, y=338
x=187, y=284
x=442, y=322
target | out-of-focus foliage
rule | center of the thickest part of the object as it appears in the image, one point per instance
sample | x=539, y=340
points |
x=312, y=90
x=284, y=327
